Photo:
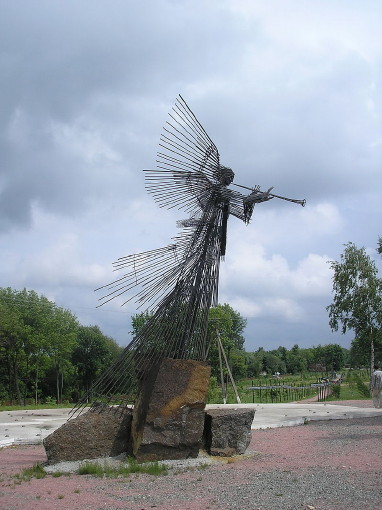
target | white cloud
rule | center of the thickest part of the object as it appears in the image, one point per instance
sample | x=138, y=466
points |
x=289, y=91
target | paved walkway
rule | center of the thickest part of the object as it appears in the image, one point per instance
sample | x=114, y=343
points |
x=298, y=413
x=31, y=426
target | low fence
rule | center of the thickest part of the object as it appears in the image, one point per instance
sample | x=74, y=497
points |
x=277, y=391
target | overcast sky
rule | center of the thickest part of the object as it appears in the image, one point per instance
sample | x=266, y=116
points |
x=290, y=92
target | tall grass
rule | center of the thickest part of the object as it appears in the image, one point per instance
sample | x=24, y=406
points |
x=123, y=469
x=36, y=471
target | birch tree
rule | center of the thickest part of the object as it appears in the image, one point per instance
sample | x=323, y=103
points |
x=357, y=297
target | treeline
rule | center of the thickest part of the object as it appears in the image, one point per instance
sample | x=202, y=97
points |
x=322, y=358
x=46, y=355
x=229, y=325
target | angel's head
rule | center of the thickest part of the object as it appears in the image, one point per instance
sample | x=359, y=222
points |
x=225, y=175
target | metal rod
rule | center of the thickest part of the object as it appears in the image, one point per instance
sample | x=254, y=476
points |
x=295, y=200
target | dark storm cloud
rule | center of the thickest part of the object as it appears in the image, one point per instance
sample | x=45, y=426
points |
x=289, y=91
x=65, y=61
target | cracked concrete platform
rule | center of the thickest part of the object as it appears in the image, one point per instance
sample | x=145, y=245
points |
x=32, y=426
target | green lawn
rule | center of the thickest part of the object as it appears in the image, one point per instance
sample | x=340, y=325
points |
x=35, y=406
x=349, y=393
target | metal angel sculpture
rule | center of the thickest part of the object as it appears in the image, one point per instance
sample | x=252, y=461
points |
x=178, y=283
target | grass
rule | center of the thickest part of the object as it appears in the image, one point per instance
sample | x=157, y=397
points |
x=275, y=395
x=37, y=471
x=124, y=469
x=34, y=407
x=58, y=474
x=96, y=469
x=346, y=393
x=354, y=387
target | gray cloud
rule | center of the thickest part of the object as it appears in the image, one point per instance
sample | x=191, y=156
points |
x=289, y=92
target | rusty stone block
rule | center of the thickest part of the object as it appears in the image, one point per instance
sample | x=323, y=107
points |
x=168, y=420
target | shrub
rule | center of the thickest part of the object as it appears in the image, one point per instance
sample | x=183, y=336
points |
x=336, y=390
x=362, y=387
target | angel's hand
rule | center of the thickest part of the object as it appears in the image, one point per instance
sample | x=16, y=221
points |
x=259, y=196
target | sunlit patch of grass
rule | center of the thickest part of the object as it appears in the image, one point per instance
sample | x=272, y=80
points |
x=90, y=468
x=37, y=471
x=34, y=407
x=350, y=392
x=57, y=474
x=123, y=469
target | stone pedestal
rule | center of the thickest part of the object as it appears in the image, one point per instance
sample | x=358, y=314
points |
x=228, y=431
x=168, y=419
x=102, y=432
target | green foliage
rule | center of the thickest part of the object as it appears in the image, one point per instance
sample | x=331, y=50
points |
x=299, y=389
x=91, y=355
x=336, y=391
x=214, y=391
x=224, y=321
x=138, y=321
x=357, y=299
x=331, y=356
x=45, y=354
x=123, y=469
x=37, y=471
x=362, y=387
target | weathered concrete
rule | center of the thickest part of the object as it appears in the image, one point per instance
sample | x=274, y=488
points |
x=174, y=413
x=102, y=432
x=228, y=431
x=31, y=426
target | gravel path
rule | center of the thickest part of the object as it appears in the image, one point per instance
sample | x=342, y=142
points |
x=327, y=465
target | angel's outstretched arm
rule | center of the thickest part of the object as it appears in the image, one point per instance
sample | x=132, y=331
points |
x=242, y=206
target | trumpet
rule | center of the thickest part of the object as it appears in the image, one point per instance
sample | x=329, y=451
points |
x=294, y=200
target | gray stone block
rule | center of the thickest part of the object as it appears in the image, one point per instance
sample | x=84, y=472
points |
x=227, y=432
x=100, y=432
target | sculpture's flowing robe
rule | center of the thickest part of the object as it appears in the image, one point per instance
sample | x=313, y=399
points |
x=178, y=283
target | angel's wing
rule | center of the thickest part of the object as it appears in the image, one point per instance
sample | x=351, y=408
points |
x=152, y=272
x=187, y=163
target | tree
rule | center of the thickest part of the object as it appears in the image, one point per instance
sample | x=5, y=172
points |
x=254, y=362
x=357, y=302
x=296, y=361
x=334, y=357
x=229, y=325
x=237, y=324
x=62, y=329
x=37, y=340
x=138, y=321
x=12, y=336
x=91, y=355
x=379, y=246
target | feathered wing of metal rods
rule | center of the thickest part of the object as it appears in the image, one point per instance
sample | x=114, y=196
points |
x=178, y=283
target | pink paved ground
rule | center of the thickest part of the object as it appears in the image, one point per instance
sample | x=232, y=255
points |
x=323, y=465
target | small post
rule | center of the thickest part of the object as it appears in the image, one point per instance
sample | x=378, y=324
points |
x=228, y=369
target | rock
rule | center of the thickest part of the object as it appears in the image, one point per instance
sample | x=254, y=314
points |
x=100, y=432
x=227, y=432
x=168, y=420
